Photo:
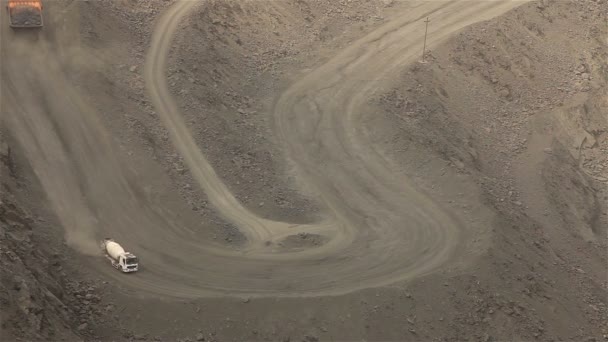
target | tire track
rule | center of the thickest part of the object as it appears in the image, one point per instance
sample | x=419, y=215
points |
x=380, y=229
x=401, y=232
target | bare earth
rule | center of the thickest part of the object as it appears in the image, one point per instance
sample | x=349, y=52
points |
x=292, y=171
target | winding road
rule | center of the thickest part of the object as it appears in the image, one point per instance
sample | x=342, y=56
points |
x=379, y=228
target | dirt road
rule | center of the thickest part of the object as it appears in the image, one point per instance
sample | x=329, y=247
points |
x=317, y=120
x=379, y=229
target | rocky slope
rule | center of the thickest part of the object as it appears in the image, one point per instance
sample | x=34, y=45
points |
x=225, y=71
x=514, y=105
x=518, y=103
x=40, y=299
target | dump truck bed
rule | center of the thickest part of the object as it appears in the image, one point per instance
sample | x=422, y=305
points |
x=25, y=13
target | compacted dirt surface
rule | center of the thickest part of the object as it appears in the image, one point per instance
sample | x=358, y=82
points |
x=294, y=171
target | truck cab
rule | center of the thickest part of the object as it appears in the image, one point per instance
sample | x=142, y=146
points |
x=127, y=263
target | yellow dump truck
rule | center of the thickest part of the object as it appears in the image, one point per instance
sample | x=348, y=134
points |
x=24, y=13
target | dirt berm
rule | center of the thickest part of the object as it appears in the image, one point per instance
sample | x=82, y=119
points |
x=292, y=171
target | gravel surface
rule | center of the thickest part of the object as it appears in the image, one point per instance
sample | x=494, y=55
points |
x=503, y=127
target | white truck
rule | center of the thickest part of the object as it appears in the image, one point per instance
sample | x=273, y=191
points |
x=121, y=260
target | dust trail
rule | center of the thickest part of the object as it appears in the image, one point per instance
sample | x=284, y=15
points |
x=35, y=131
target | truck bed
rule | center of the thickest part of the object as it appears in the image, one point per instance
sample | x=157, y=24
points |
x=25, y=14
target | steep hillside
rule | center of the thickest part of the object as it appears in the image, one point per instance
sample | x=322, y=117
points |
x=518, y=103
x=504, y=126
x=41, y=296
x=225, y=71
